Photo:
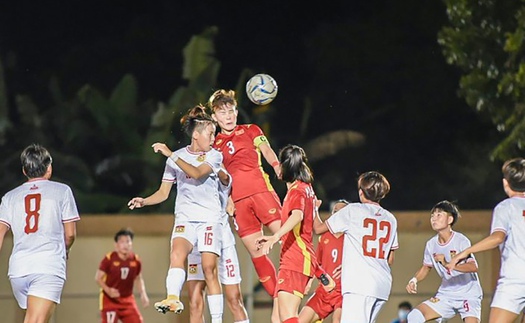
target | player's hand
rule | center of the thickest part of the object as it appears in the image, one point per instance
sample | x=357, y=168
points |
x=113, y=292
x=158, y=146
x=454, y=261
x=230, y=208
x=308, y=286
x=265, y=243
x=136, y=203
x=439, y=257
x=336, y=274
x=412, y=287
x=144, y=299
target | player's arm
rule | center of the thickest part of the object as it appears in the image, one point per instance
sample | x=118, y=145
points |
x=70, y=234
x=418, y=276
x=159, y=196
x=100, y=278
x=270, y=156
x=391, y=257
x=199, y=172
x=492, y=241
x=224, y=177
x=266, y=243
x=3, y=229
x=141, y=287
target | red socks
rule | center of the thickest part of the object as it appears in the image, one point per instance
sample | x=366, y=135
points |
x=292, y=320
x=266, y=272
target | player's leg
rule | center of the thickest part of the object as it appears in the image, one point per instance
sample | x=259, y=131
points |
x=422, y=313
x=183, y=238
x=359, y=308
x=230, y=277
x=336, y=316
x=308, y=315
x=130, y=313
x=291, y=286
x=42, y=297
x=469, y=310
x=499, y=315
x=288, y=307
x=209, y=244
x=108, y=316
x=196, y=295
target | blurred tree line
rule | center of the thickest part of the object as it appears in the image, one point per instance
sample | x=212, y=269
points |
x=369, y=92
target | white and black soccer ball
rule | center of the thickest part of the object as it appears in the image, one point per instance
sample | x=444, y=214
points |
x=261, y=89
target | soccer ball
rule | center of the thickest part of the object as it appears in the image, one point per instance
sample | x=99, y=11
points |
x=261, y=89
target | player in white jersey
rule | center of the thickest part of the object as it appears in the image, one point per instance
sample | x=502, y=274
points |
x=460, y=291
x=197, y=210
x=42, y=215
x=507, y=232
x=370, y=234
x=229, y=270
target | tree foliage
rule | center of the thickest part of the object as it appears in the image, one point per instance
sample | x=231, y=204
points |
x=485, y=39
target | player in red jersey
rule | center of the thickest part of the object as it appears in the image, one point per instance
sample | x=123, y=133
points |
x=256, y=202
x=329, y=254
x=116, y=276
x=298, y=262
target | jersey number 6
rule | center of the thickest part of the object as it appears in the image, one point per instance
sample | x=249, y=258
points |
x=371, y=242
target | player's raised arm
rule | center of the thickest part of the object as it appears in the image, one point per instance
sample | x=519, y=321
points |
x=199, y=172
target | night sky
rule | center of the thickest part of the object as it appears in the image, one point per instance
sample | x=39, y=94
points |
x=370, y=66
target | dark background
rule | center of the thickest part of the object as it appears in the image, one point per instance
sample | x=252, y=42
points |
x=370, y=66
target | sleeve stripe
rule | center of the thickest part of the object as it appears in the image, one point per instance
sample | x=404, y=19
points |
x=71, y=220
x=498, y=229
x=330, y=228
x=6, y=224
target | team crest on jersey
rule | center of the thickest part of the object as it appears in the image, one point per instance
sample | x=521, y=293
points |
x=434, y=299
x=201, y=158
x=34, y=187
x=192, y=269
x=326, y=241
x=179, y=228
x=218, y=142
x=116, y=263
x=272, y=211
x=133, y=264
x=453, y=253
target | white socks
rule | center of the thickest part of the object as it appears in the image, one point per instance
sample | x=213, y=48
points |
x=415, y=316
x=215, y=305
x=174, y=281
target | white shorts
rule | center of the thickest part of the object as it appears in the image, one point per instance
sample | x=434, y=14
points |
x=360, y=309
x=229, y=270
x=448, y=307
x=508, y=297
x=228, y=239
x=44, y=286
x=206, y=236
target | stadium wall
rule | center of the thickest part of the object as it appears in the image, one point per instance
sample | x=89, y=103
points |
x=151, y=243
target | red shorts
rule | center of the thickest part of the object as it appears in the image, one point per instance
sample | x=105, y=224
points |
x=126, y=311
x=253, y=211
x=292, y=282
x=324, y=303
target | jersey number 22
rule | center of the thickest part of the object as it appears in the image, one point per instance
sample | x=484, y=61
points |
x=374, y=243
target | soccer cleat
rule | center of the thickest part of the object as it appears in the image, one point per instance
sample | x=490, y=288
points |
x=327, y=282
x=170, y=304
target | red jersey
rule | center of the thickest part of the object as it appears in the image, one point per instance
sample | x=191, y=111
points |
x=120, y=274
x=242, y=159
x=297, y=250
x=329, y=254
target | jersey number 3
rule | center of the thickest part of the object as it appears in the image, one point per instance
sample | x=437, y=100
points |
x=373, y=245
x=32, y=208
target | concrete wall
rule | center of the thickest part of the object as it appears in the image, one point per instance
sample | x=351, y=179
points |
x=95, y=232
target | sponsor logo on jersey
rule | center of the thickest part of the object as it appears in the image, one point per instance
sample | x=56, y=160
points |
x=34, y=187
x=218, y=142
x=272, y=211
x=180, y=228
x=192, y=269
x=280, y=281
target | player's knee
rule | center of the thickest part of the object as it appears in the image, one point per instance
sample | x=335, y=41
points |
x=234, y=301
x=415, y=316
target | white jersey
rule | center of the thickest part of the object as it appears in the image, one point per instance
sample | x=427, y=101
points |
x=509, y=217
x=224, y=193
x=454, y=284
x=197, y=199
x=370, y=234
x=36, y=212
